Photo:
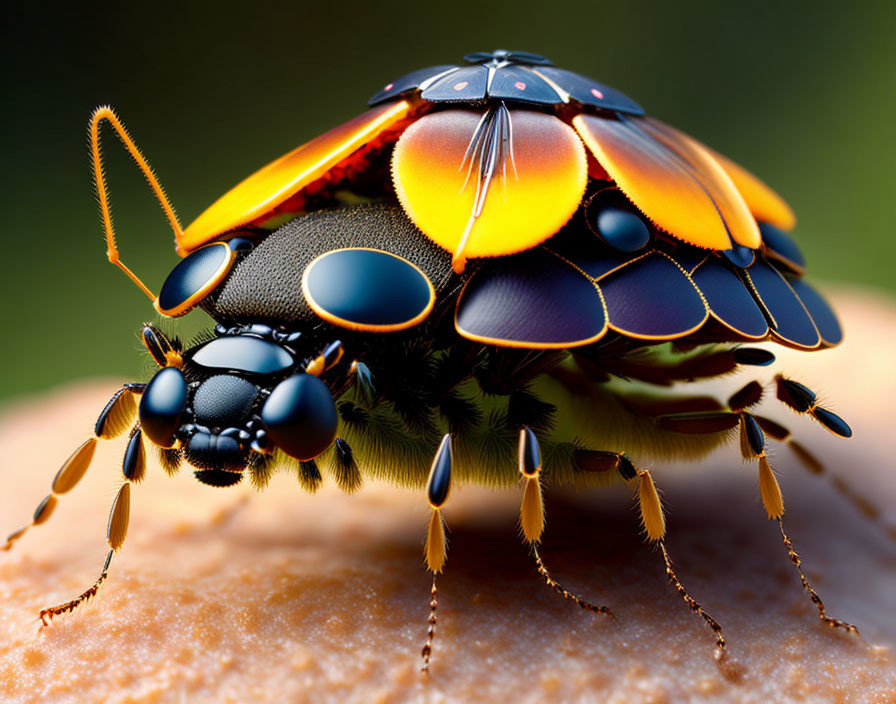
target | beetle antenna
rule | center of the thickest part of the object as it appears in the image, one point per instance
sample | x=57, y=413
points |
x=105, y=112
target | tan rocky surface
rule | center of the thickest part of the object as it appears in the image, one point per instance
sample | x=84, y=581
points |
x=224, y=595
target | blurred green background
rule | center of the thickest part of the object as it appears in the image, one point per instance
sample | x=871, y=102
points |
x=801, y=93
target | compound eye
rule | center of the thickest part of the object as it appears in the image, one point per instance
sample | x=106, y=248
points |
x=194, y=278
x=367, y=289
x=300, y=416
x=616, y=222
x=162, y=405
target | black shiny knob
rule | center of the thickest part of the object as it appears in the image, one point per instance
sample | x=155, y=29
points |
x=162, y=405
x=300, y=416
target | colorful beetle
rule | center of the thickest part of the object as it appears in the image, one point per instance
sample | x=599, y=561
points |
x=517, y=261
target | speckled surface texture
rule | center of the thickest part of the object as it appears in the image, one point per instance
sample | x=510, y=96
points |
x=224, y=595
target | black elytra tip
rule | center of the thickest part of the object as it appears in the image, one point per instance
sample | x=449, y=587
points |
x=194, y=278
x=796, y=395
x=753, y=356
x=529, y=453
x=439, y=483
x=754, y=433
x=134, y=465
x=300, y=416
x=626, y=468
x=832, y=422
x=162, y=405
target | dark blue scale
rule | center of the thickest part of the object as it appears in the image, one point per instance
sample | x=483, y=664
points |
x=300, y=416
x=689, y=257
x=789, y=320
x=781, y=247
x=588, y=253
x=408, y=83
x=464, y=85
x=243, y=353
x=194, y=278
x=652, y=298
x=616, y=221
x=508, y=69
x=533, y=298
x=590, y=92
x=729, y=300
x=367, y=289
x=519, y=83
x=162, y=404
x=822, y=314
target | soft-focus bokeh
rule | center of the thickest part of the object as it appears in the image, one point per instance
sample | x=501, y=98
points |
x=799, y=93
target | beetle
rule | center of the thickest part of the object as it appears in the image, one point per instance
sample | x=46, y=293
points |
x=422, y=292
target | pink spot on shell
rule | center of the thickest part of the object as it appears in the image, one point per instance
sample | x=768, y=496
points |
x=461, y=85
x=597, y=94
x=519, y=85
x=389, y=87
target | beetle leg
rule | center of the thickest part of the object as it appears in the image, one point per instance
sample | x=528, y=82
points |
x=655, y=527
x=115, y=535
x=115, y=418
x=753, y=447
x=133, y=468
x=327, y=359
x=802, y=399
x=435, y=551
x=532, y=516
x=864, y=505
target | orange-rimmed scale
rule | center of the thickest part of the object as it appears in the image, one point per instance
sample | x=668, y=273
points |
x=489, y=184
x=256, y=197
x=672, y=179
x=766, y=205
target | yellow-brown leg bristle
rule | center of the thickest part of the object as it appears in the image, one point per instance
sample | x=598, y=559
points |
x=46, y=615
x=813, y=595
x=562, y=591
x=693, y=604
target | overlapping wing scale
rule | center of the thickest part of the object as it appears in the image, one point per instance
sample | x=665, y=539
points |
x=464, y=85
x=662, y=185
x=764, y=203
x=822, y=314
x=788, y=318
x=781, y=247
x=729, y=300
x=267, y=188
x=734, y=210
x=531, y=300
x=489, y=184
x=653, y=299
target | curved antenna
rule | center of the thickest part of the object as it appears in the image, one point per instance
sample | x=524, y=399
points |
x=104, y=112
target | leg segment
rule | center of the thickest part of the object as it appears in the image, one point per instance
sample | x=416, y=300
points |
x=532, y=517
x=116, y=417
x=774, y=506
x=115, y=534
x=802, y=399
x=435, y=551
x=655, y=526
